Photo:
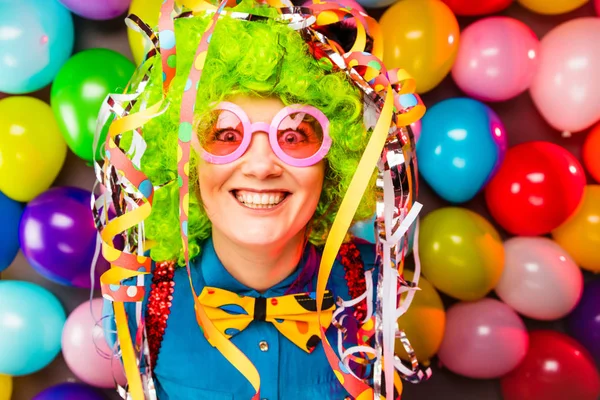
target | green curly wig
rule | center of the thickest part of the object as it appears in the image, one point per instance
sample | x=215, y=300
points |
x=263, y=59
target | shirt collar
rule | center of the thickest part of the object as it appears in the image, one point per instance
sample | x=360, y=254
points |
x=216, y=275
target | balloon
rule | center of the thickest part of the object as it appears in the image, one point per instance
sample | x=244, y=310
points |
x=84, y=349
x=569, y=64
x=58, y=236
x=5, y=387
x=461, y=253
x=365, y=230
x=31, y=320
x=537, y=188
x=376, y=3
x=584, y=322
x=483, y=339
x=10, y=215
x=497, y=58
x=580, y=235
x=70, y=391
x=534, y=267
x=480, y=7
x=79, y=90
x=97, y=9
x=463, y=144
x=421, y=36
x=148, y=11
x=590, y=153
x=597, y=5
x=552, y=7
x=556, y=367
x=417, y=128
x=31, y=149
x=424, y=321
x=37, y=38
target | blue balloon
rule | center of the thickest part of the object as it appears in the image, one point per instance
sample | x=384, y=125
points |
x=31, y=323
x=70, y=391
x=10, y=215
x=36, y=39
x=462, y=144
x=365, y=230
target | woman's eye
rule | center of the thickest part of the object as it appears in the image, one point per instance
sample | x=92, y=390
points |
x=228, y=135
x=292, y=137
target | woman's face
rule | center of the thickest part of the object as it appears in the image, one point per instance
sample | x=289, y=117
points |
x=258, y=199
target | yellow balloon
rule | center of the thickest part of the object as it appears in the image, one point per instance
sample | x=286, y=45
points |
x=552, y=6
x=420, y=36
x=424, y=322
x=32, y=149
x=580, y=234
x=5, y=387
x=148, y=11
x=462, y=254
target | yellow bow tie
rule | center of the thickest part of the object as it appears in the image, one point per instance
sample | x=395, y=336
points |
x=293, y=315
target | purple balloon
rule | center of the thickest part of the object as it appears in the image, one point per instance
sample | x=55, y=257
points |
x=58, y=236
x=70, y=391
x=97, y=9
x=584, y=321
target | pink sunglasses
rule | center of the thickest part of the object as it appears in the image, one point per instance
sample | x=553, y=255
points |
x=298, y=135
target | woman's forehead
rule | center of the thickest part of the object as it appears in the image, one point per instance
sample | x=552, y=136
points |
x=258, y=109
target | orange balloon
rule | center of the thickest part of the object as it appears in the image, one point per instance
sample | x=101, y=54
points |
x=420, y=36
x=591, y=153
x=580, y=235
x=424, y=322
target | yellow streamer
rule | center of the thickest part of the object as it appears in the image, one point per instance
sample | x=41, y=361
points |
x=352, y=199
x=134, y=379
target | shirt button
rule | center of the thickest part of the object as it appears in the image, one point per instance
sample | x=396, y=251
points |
x=263, y=346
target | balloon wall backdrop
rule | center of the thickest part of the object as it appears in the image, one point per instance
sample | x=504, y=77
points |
x=509, y=159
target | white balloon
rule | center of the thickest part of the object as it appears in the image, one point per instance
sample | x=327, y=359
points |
x=540, y=280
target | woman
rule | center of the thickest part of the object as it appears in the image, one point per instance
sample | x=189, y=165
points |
x=277, y=136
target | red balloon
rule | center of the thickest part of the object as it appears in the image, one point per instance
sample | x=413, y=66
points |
x=538, y=186
x=480, y=7
x=556, y=367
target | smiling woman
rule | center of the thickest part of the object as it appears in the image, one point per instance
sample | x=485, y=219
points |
x=284, y=74
x=276, y=134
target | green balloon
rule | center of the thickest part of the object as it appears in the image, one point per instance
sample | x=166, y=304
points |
x=78, y=92
x=461, y=253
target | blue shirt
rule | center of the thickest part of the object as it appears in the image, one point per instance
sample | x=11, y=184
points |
x=188, y=367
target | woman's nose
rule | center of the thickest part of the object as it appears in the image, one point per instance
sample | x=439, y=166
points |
x=259, y=160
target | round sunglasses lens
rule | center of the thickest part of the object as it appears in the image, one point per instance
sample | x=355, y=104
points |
x=220, y=133
x=300, y=135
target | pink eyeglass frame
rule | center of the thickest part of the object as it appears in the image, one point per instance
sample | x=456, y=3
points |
x=271, y=129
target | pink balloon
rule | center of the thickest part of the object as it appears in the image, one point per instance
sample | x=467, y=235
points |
x=497, y=59
x=483, y=339
x=85, y=350
x=539, y=280
x=566, y=88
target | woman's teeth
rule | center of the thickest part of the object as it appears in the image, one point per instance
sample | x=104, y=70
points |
x=260, y=200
